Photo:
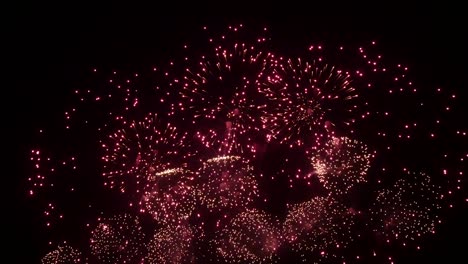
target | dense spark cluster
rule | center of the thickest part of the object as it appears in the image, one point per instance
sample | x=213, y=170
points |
x=63, y=255
x=409, y=209
x=252, y=236
x=118, y=239
x=221, y=92
x=305, y=100
x=170, y=196
x=319, y=224
x=341, y=164
x=259, y=116
x=226, y=182
x=134, y=154
x=171, y=244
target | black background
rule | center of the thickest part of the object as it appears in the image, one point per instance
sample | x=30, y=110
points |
x=52, y=47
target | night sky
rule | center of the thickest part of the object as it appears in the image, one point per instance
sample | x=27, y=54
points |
x=54, y=49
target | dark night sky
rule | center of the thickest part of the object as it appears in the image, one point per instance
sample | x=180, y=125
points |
x=55, y=46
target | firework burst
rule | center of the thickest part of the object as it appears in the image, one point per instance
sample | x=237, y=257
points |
x=409, y=209
x=226, y=182
x=63, y=255
x=170, y=196
x=222, y=92
x=252, y=236
x=118, y=239
x=320, y=224
x=171, y=245
x=240, y=100
x=135, y=154
x=305, y=100
x=341, y=164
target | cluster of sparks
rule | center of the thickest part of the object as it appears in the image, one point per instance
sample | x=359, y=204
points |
x=341, y=164
x=307, y=99
x=222, y=91
x=118, y=239
x=227, y=182
x=251, y=236
x=408, y=209
x=171, y=244
x=195, y=161
x=319, y=225
x=136, y=153
x=63, y=255
x=171, y=196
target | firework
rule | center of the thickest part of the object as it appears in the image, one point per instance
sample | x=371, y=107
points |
x=134, y=154
x=171, y=244
x=63, y=255
x=226, y=182
x=409, y=209
x=307, y=99
x=319, y=224
x=118, y=239
x=341, y=164
x=47, y=170
x=239, y=99
x=252, y=236
x=170, y=196
x=222, y=92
